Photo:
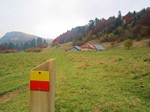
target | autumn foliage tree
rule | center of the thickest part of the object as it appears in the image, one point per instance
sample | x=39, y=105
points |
x=112, y=39
x=128, y=43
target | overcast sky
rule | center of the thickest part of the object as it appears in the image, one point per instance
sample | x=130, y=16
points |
x=50, y=18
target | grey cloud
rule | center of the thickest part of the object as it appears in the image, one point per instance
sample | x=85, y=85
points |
x=50, y=18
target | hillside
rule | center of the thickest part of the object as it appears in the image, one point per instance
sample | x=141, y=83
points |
x=115, y=80
x=133, y=25
x=16, y=37
x=21, y=41
x=19, y=37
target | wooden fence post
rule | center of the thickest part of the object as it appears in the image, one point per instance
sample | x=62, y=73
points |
x=42, y=87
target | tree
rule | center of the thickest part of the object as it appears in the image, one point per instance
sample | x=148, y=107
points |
x=96, y=21
x=26, y=45
x=128, y=43
x=128, y=34
x=118, y=20
x=39, y=40
x=11, y=45
x=4, y=46
x=90, y=25
x=55, y=43
x=144, y=31
x=44, y=41
x=90, y=33
x=94, y=36
x=120, y=30
x=33, y=43
x=111, y=37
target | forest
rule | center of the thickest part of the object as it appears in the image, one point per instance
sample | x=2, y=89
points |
x=134, y=25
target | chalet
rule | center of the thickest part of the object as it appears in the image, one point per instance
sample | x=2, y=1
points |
x=99, y=47
x=88, y=46
x=73, y=48
x=92, y=47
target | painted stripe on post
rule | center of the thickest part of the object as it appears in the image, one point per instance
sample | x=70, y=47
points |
x=39, y=85
x=39, y=80
x=39, y=76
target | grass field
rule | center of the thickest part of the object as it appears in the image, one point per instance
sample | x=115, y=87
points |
x=115, y=80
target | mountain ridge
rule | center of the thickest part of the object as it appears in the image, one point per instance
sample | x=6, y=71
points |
x=16, y=37
x=19, y=37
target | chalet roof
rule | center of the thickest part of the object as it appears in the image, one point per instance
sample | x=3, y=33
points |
x=99, y=47
x=73, y=47
x=77, y=47
x=89, y=46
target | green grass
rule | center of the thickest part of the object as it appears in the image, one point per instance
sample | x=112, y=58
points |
x=115, y=80
x=15, y=68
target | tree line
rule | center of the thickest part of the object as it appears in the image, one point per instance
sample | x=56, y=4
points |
x=134, y=25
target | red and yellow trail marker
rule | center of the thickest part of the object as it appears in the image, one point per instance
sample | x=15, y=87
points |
x=42, y=87
x=39, y=81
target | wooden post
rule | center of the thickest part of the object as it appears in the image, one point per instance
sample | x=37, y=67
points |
x=42, y=87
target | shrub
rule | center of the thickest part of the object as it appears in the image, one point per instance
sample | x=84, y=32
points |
x=112, y=43
x=8, y=51
x=33, y=50
x=111, y=37
x=148, y=43
x=103, y=39
x=128, y=43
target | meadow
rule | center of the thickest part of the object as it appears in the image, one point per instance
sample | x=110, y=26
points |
x=114, y=80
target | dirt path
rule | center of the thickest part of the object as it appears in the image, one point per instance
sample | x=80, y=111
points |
x=10, y=95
